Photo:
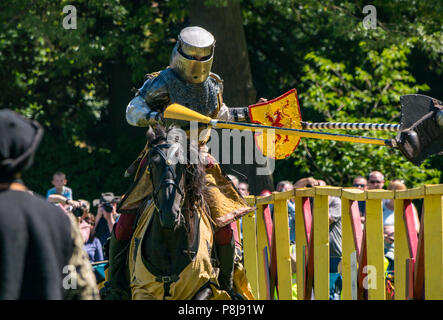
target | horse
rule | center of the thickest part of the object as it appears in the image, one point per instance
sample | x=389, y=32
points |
x=173, y=245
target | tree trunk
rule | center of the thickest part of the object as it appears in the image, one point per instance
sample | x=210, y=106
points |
x=119, y=81
x=231, y=63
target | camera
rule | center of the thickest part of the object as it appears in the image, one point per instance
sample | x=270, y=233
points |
x=107, y=206
x=78, y=211
x=107, y=201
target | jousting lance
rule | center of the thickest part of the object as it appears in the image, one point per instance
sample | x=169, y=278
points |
x=419, y=134
x=350, y=126
x=178, y=112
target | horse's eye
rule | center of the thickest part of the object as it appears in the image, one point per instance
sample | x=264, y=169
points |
x=154, y=159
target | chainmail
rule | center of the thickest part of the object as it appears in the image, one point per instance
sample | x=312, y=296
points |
x=414, y=107
x=200, y=97
x=419, y=117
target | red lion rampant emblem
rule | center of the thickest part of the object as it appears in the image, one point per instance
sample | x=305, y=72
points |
x=277, y=121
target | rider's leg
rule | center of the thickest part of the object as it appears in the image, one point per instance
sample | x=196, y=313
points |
x=225, y=248
x=117, y=286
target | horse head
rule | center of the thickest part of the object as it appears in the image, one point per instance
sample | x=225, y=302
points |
x=166, y=168
x=177, y=183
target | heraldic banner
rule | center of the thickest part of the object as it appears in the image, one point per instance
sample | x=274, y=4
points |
x=281, y=112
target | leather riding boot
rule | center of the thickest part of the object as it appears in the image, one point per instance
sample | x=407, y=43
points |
x=226, y=255
x=117, y=287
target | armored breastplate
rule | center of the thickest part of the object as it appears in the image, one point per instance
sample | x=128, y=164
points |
x=201, y=97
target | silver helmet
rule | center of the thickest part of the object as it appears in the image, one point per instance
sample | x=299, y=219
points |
x=193, y=54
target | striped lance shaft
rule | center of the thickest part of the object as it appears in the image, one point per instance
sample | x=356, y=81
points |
x=351, y=126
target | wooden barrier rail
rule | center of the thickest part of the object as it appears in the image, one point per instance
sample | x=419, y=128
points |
x=418, y=258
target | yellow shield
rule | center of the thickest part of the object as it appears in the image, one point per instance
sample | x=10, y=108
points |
x=282, y=112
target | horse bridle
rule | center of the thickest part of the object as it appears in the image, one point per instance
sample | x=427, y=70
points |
x=163, y=181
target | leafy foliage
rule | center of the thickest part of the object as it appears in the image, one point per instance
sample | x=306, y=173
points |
x=74, y=81
x=364, y=95
x=62, y=78
x=343, y=72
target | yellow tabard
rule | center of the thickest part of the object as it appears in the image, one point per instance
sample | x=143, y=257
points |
x=195, y=275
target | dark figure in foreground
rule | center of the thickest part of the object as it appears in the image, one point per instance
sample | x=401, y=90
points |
x=41, y=254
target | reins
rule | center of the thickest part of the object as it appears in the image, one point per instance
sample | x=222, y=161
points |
x=163, y=181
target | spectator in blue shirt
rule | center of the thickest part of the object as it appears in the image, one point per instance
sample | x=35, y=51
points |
x=59, y=182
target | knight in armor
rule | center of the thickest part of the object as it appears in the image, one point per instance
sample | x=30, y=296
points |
x=187, y=81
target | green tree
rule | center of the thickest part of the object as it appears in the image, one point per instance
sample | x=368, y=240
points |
x=368, y=93
x=286, y=37
x=78, y=82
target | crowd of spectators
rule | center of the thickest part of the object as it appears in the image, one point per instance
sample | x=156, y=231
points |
x=374, y=180
x=96, y=228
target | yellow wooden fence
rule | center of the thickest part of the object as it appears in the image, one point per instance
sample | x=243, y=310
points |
x=427, y=265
